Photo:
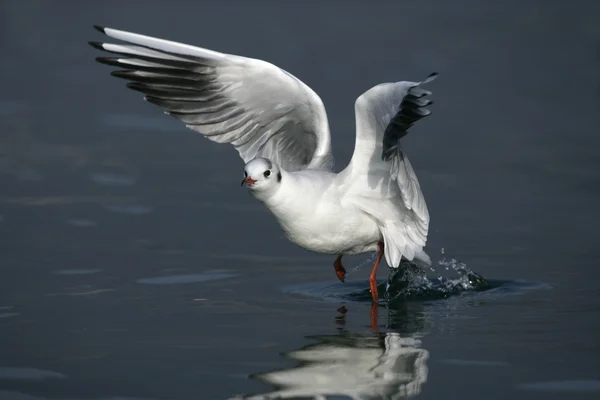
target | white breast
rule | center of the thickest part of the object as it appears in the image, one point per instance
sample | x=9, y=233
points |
x=314, y=216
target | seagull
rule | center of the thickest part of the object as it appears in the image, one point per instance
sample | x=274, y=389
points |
x=349, y=366
x=280, y=129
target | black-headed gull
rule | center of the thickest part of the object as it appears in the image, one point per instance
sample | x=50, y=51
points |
x=350, y=366
x=279, y=127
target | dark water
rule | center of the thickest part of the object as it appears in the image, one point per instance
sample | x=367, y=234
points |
x=133, y=266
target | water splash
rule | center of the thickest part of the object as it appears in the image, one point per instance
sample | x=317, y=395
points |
x=447, y=277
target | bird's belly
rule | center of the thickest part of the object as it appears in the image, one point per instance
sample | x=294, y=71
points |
x=344, y=233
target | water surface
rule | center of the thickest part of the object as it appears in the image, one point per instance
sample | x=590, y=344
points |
x=133, y=266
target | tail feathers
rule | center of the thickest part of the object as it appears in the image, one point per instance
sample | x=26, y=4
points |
x=397, y=244
x=422, y=259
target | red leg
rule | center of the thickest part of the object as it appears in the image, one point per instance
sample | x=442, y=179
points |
x=340, y=271
x=372, y=278
x=374, y=317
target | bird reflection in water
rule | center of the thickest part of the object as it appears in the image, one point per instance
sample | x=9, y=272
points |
x=385, y=365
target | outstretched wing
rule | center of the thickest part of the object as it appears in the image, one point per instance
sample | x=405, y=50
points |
x=380, y=177
x=262, y=110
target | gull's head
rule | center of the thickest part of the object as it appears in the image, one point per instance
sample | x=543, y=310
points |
x=261, y=174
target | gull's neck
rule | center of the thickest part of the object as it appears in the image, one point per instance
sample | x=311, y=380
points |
x=282, y=199
x=275, y=194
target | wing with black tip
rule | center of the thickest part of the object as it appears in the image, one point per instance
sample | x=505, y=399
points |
x=262, y=110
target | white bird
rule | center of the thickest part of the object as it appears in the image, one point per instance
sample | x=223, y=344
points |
x=350, y=366
x=279, y=127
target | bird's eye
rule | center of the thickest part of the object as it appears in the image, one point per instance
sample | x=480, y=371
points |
x=267, y=173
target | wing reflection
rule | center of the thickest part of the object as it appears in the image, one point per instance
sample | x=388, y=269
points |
x=382, y=366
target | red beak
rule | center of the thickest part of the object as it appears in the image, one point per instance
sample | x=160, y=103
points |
x=248, y=181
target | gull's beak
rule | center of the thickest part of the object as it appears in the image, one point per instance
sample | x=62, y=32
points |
x=248, y=181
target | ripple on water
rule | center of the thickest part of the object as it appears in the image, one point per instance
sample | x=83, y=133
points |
x=112, y=179
x=445, y=279
x=130, y=209
x=8, y=107
x=188, y=278
x=474, y=363
x=82, y=222
x=27, y=175
x=80, y=271
x=142, y=122
x=24, y=373
x=570, y=386
x=14, y=395
x=9, y=315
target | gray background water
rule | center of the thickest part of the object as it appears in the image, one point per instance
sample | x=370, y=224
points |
x=101, y=191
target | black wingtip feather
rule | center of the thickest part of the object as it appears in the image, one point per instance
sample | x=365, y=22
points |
x=412, y=108
x=153, y=100
x=430, y=78
x=100, y=28
x=109, y=61
x=97, y=45
x=122, y=74
x=137, y=86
